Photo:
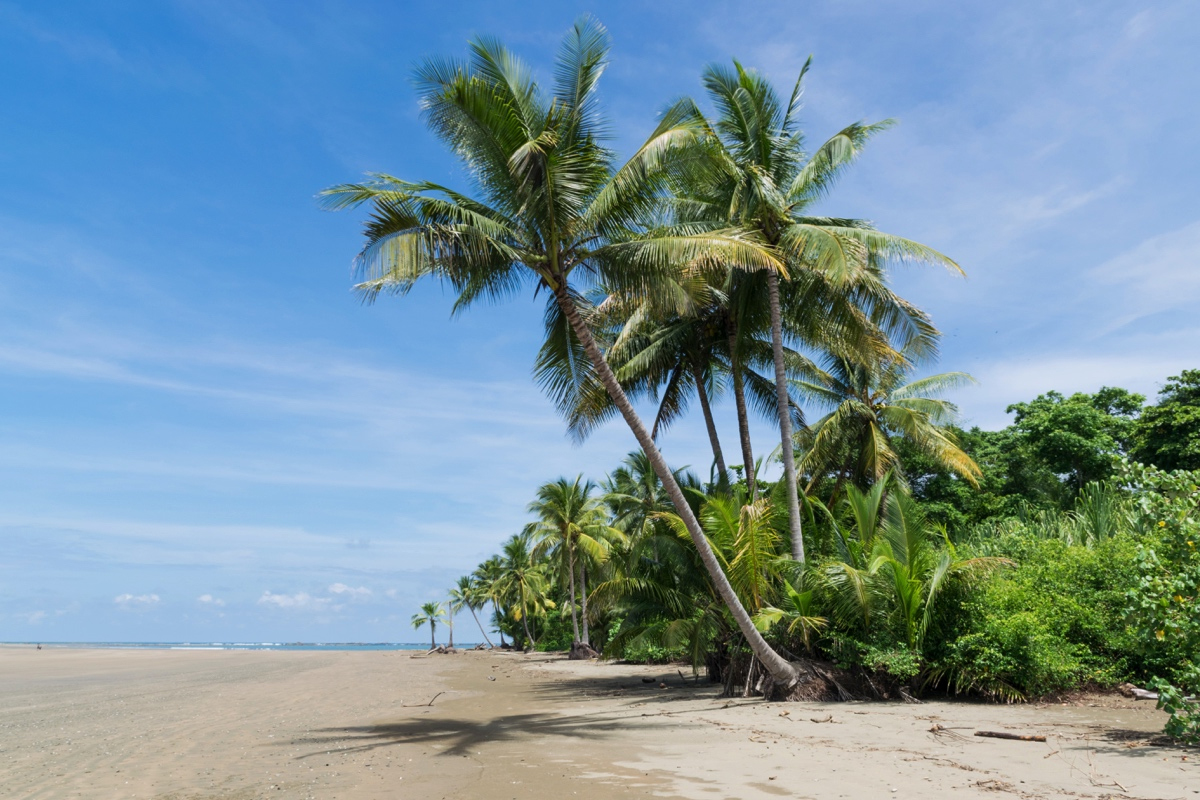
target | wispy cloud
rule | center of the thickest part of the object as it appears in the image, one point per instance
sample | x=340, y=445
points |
x=209, y=600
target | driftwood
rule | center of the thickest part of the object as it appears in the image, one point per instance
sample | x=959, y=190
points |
x=1016, y=737
x=1129, y=690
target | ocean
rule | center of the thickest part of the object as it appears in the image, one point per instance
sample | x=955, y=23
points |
x=346, y=646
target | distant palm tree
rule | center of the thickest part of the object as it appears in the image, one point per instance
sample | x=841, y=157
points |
x=466, y=594
x=524, y=582
x=572, y=529
x=553, y=210
x=487, y=578
x=871, y=405
x=430, y=613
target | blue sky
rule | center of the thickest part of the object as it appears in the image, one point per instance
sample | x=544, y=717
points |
x=204, y=435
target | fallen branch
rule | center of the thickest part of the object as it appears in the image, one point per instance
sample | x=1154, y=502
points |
x=1016, y=737
x=425, y=705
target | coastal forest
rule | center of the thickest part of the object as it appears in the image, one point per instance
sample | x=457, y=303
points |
x=873, y=548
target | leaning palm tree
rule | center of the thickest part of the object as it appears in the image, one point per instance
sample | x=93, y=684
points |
x=465, y=594
x=553, y=209
x=872, y=404
x=758, y=176
x=430, y=613
x=487, y=579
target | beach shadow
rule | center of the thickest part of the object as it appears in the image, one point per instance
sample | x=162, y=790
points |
x=458, y=736
x=1138, y=743
x=666, y=688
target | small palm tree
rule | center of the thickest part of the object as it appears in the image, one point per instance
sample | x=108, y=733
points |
x=430, y=613
x=895, y=567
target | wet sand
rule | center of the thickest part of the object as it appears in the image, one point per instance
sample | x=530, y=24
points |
x=195, y=725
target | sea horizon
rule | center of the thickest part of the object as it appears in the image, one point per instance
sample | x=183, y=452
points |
x=202, y=645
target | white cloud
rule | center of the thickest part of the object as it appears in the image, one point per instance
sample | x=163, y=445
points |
x=361, y=593
x=297, y=601
x=209, y=600
x=34, y=617
x=130, y=602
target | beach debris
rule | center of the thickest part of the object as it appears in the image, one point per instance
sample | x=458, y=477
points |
x=648, y=679
x=1016, y=737
x=1129, y=690
x=826, y=719
x=662, y=685
x=425, y=705
x=491, y=677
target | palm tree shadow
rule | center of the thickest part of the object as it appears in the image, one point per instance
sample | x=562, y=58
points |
x=458, y=736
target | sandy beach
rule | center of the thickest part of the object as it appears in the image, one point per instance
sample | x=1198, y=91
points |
x=193, y=725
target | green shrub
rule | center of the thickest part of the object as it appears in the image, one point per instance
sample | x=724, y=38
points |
x=1055, y=621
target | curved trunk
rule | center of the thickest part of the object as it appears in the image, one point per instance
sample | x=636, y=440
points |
x=787, y=447
x=583, y=597
x=783, y=673
x=481, y=630
x=702, y=393
x=574, y=617
x=739, y=396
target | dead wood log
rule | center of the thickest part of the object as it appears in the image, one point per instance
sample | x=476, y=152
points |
x=1016, y=737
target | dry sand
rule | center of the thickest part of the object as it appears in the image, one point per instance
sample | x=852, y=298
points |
x=187, y=725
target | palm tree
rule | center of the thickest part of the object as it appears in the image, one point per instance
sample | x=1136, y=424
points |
x=872, y=404
x=465, y=594
x=430, y=613
x=523, y=580
x=553, y=206
x=487, y=578
x=572, y=529
x=758, y=176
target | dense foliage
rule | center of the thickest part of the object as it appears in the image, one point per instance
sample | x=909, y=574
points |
x=916, y=555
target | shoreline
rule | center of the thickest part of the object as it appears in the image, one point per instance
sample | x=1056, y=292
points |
x=202, y=725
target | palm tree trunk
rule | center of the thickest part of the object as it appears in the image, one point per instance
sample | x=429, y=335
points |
x=481, y=630
x=528, y=635
x=708, y=420
x=432, y=635
x=496, y=614
x=574, y=618
x=525, y=621
x=739, y=396
x=583, y=597
x=787, y=447
x=783, y=673
x=450, y=624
